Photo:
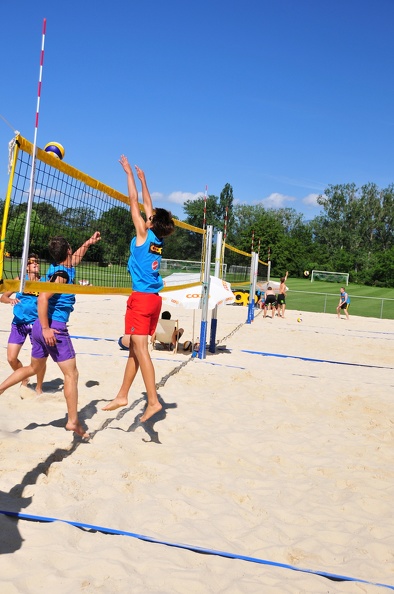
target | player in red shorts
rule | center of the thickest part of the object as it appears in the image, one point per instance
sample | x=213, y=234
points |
x=144, y=304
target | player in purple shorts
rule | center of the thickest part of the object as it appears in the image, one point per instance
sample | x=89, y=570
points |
x=25, y=314
x=50, y=335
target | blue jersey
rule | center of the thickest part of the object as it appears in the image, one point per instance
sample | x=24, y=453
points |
x=144, y=264
x=345, y=298
x=25, y=312
x=60, y=305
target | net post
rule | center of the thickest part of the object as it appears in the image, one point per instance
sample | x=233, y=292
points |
x=205, y=293
x=214, y=316
x=252, y=290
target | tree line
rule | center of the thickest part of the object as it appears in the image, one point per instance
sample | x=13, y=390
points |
x=353, y=234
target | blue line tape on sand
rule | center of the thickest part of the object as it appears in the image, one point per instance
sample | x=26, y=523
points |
x=314, y=360
x=82, y=525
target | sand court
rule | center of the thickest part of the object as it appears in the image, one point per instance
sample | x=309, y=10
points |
x=277, y=448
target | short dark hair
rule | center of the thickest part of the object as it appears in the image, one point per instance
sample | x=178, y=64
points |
x=32, y=258
x=58, y=248
x=166, y=315
x=162, y=223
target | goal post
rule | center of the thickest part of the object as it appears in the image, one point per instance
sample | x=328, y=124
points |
x=330, y=277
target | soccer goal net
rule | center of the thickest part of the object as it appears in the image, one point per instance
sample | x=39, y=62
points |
x=330, y=277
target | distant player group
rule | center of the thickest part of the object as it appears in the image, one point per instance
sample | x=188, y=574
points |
x=270, y=301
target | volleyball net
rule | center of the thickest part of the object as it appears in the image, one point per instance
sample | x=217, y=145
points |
x=72, y=204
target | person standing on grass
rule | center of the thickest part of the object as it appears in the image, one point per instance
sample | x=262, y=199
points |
x=144, y=304
x=25, y=314
x=50, y=334
x=344, y=303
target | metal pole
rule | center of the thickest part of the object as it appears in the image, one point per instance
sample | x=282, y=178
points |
x=252, y=289
x=214, y=317
x=205, y=293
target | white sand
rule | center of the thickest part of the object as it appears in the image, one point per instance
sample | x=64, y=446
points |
x=281, y=459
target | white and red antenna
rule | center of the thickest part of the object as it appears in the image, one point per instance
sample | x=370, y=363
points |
x=26, y=240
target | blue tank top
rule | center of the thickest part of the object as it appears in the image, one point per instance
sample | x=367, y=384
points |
x=60, y=305
x=344, y=298
x=25, y=312
x=144, y=264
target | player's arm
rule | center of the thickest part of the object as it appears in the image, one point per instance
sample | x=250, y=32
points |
x=135, y=211
x=146, y=197
x=6, y=298
x=81, y=251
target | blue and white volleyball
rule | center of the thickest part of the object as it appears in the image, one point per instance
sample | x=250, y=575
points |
x=55, y=149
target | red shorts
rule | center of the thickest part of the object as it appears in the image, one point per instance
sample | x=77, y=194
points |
x=142, y=313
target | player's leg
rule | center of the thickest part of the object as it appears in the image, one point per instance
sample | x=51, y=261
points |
x=70, y=372
x=140, y=348
x=122, y=397
x=23, y=373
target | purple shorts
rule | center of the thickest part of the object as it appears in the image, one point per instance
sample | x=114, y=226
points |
x=19, y=333
x=63, y=350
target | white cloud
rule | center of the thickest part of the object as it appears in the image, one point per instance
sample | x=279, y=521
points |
x=311, y=200
x=156, y=196
x=181, y=197
x=276, y=200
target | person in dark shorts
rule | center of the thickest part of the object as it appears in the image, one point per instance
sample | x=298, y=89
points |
x=50, y=334
x=344, y=303
x=270, y=302
x=282, y=296
x=25, y=314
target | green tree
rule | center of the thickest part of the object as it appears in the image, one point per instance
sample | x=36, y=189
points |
x=117, y=230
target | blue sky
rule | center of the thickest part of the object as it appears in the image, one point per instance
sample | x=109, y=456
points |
x=279, y=98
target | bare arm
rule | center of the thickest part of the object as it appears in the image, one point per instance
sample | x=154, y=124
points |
x=146, y=198
x=81, y=251
x=138, y=221
x=6, y=298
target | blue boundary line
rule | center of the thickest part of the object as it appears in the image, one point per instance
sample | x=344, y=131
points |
x=82, y=525
x=314, y=360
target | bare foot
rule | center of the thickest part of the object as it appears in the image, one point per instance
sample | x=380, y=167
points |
x=150, y=411
x=78, y=429
x=38, y=391
x=116, y=403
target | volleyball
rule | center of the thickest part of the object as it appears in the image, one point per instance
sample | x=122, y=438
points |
x=55, y=149
x=299, y=320
x=306, y=273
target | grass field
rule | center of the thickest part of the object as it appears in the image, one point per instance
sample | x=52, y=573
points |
x=321, y=296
